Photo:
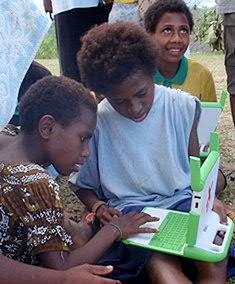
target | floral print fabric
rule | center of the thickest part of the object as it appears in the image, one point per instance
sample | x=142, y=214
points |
x=31, y=213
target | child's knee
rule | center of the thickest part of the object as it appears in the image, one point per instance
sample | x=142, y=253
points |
x=211, y=272
x=160, y=262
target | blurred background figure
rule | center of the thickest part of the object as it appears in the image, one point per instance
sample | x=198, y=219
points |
x=35, y=72
x=23, y=26
x=227, y=8
x=72, y=20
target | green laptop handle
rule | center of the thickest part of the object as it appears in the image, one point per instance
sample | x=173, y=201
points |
x=219, y=104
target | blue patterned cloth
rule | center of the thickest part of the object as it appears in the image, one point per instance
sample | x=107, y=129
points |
x=22, y=28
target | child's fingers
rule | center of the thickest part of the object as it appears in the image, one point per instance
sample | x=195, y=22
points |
x=143, y=218
x=221, y=210
x=97, y=269
x=223, y=219
x=231, y=214
x=147, y=230
x=114, y=212
x=108, y=215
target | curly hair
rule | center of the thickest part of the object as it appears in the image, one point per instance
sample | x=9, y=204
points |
x=111, y=53
x=60, y=97
x=157, y=9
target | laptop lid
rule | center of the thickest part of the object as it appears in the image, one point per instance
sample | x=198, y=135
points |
x=203, y=183
x=210, y=114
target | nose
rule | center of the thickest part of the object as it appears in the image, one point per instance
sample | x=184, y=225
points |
x=176, y=37
x=85, y=151
x=134, y=108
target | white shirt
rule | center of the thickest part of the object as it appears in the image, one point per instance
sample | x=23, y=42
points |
x=144, y=163
x=60, y=6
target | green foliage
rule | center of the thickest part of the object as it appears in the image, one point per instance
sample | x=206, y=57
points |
x=209, y=28
x=48, y=48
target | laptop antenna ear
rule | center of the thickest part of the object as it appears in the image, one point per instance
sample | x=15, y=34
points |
x=214, y=142
x=223, y=99
x=195, y=164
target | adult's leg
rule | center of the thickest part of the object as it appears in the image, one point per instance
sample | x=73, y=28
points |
x=229, y=43
x=70, y=27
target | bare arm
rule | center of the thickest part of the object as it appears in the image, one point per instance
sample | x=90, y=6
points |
x=89, y=198
x=193, y=148
x=91, y=252
x=14, y=272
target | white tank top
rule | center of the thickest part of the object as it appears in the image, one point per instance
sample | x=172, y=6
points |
x=60, y=6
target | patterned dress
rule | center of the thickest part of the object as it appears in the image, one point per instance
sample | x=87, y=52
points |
x=31, y=212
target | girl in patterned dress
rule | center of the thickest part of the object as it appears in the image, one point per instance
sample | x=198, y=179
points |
x=58, y=117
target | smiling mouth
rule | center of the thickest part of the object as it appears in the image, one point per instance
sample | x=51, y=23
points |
x=174, y=51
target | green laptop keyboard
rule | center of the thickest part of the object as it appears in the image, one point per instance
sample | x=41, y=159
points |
x=172, y=233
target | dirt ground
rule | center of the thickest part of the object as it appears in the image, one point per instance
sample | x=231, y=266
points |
x=225, y=128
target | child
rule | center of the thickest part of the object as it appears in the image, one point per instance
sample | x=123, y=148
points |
x=170, y=23
x=58, y=117
x=140, y=150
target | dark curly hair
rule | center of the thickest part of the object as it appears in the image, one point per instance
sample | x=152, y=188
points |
x=60, y=97
x=111, y=53
x=157, y=9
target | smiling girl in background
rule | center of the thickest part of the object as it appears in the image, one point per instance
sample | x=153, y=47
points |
x=170, y=23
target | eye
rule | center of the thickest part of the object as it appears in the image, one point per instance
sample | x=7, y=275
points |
x=141, y=95
x=119, y=102
x=184, y=31
x=167, y=30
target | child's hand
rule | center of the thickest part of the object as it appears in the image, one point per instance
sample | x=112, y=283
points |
x=220, y=208
x=231, y=213
x=131, y=222
x=105, y=214
x=87, y=273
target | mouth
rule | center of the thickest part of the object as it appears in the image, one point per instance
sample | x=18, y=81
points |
x=175, y=51
x=140, y=118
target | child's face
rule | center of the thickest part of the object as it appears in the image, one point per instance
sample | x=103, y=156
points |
x=133, y=98
x=172, y=36
x=68, y=146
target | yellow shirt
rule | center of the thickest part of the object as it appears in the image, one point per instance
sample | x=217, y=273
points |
x=192, y=78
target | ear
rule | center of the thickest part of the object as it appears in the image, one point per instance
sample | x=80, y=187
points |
x=46, y=125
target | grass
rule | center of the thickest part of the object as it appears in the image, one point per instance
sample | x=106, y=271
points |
x=215, y=63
